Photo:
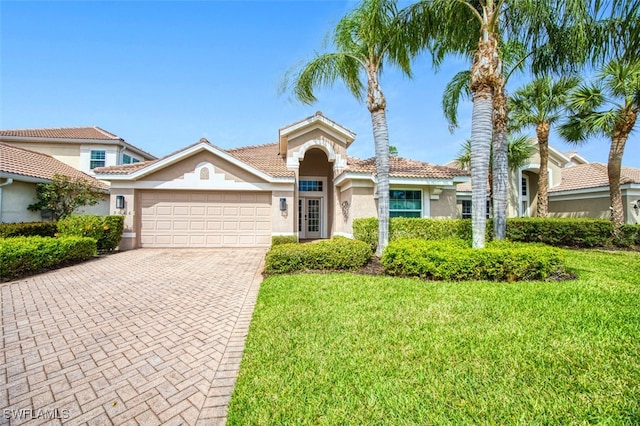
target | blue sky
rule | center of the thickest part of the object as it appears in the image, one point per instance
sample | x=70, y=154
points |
x=163, y=74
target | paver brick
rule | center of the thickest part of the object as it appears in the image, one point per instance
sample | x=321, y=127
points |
x=160, y=341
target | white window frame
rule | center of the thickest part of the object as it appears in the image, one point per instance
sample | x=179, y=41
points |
x=522, y=210
x=92, y=159
x=322, y=195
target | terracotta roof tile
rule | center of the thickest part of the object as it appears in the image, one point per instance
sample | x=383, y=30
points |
x=63, y=133
x=23, y=162
x=264, y=158
x=403, y=167
x=123, y=169
x=592, y=175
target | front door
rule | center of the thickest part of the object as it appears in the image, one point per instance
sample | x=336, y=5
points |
x=309, y=217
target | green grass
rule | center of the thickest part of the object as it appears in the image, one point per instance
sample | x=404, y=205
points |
x=351, y=349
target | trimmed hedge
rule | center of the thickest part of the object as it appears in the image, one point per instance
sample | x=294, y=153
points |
x=21, y=256
x=339, y=253
x=28, y=229
x=455, y=260
x=283, y=239
x=106, y=230
x=561, y=232
x=552, y=231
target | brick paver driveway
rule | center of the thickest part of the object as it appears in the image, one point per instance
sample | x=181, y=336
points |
x=141, y=337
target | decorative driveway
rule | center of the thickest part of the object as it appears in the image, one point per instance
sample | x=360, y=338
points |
x=140, y=337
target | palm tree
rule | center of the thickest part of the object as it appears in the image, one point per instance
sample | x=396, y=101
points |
x=609, y=108
x=541, y=104
x=365, y=39
x=457, y=89
x=565, y=29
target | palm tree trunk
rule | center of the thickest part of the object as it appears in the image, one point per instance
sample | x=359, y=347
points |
x=614, y=168
x=542, y=132
x=485, y=76
x=500, y=164
x=376, y=103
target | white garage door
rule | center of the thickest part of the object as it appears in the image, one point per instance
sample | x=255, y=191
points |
x=205, y=219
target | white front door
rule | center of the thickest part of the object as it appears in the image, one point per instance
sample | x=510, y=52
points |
x=309, y=217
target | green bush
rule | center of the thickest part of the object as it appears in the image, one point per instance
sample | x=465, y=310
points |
x=401, y=228
x=560, y=231
x=283, y=239
x=627, y=236
x=553, y=231
x=335, y=254
x=455, y=260
x=21, y=256
x=28, y=229
x=106, y=230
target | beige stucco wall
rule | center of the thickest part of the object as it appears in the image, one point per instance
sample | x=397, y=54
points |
x=361, y=205
x=188, y=165
x=66, y=153
x=282, y=222
x=131, y=225
x=445, y=206
x=294, y=144
x=15, y=198
x=587, y=207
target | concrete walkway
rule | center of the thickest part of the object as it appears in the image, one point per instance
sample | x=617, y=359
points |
x=141, y=337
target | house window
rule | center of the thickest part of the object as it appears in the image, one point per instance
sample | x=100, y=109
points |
x=524, y=190
x=466, y=209
x=97, y=159
x=405, y=203
x=310, y=186
x=127, y=159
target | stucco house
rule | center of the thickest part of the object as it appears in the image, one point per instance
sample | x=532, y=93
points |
x=21, y=170
x=83, y=148
x=76, y=151
x=304, y=184
x=577, y=188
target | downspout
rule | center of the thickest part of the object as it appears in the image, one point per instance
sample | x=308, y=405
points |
x=9, y=181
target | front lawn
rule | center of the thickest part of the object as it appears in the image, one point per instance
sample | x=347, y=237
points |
x=356, y=349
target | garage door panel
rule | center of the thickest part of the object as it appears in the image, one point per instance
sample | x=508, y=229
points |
x=205, y=219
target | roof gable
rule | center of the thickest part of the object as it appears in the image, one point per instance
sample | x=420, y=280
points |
x=314, y=122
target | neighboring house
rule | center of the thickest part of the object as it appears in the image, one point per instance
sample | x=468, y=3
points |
x=577, y=188
x=304, y=185
x=21, y=169
x=83, y=148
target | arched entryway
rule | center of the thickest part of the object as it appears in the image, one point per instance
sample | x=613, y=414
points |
x=315, y=195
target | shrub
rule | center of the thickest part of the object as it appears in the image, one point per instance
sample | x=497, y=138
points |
x=455, y=260
x=106, y=230
x=20, y=256
x=401, y=228
x=335, y=254
x=560, y=231
x=283, y=239
x=627, y=236
x=28, y=229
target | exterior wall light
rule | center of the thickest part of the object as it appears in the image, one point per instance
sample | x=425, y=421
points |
x=119, y=201
x=283, y=204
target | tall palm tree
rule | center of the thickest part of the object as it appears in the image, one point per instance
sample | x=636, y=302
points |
x=609, y=108
x=365, y=39
x=541, y=104
x=457, y=89
x=565, y=29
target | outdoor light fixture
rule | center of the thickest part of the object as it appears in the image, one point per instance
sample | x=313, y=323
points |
x=283, y=204
x=119, y=201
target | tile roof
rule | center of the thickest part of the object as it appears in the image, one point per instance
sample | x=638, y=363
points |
x=24, y=162
x=404, y=167
x=592, y=175
x=95, y=133
x=264, y=158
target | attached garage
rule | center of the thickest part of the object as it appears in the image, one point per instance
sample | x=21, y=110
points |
x=205, y=219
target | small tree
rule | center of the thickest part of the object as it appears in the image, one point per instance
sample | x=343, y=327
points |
x=63, y=195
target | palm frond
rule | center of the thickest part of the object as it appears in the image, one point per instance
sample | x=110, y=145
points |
x=456, y=90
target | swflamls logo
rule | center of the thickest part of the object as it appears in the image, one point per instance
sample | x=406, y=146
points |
x=41, y=414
